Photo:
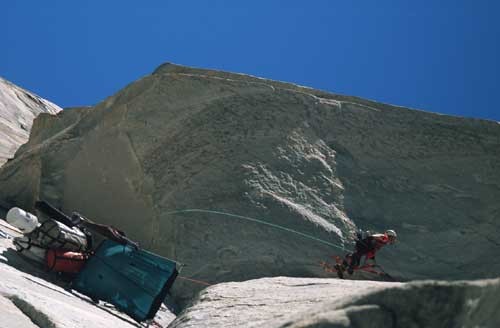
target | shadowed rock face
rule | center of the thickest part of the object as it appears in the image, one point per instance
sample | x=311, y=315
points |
x=315, y=162
x=18, y=109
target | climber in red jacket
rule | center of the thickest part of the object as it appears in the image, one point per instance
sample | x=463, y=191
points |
x=367, y=245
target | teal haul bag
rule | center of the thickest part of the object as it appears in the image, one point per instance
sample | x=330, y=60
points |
x=133, y=280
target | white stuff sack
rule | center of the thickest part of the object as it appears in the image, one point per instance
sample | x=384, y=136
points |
x=30, y=248
x=54, y=234
x=24, y=221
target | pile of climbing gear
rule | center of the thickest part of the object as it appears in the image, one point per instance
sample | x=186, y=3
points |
x=52, y=244
x=100, y=261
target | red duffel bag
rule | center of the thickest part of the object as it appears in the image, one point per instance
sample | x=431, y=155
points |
x=59, y=260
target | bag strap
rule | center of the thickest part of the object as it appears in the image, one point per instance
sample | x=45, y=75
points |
x=21, y=246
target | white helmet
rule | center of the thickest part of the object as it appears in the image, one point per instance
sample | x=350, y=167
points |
x=392, y=235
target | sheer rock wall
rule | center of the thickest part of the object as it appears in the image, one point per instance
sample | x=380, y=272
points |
x=315, y=162
x=18, y=109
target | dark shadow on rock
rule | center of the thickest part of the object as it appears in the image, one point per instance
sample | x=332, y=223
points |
x=28, y=266
x=15, y=260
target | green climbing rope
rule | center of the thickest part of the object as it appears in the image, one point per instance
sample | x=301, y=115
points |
x=258, y=221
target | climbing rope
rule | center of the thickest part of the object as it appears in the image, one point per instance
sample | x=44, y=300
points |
x=257, y=221
x=199, y=282
x=242, y=217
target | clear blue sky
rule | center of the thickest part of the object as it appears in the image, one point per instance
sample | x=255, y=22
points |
x=436, y=55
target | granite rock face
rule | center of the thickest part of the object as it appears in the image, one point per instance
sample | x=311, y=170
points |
x=18, y=109
x=318, y=163
x=308, y=302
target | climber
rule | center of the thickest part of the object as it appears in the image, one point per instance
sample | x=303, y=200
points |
x=367, y=244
